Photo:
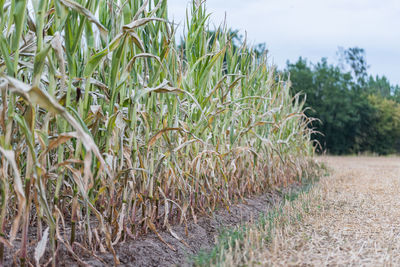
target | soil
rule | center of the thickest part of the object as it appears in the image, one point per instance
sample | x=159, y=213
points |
x=149, y=250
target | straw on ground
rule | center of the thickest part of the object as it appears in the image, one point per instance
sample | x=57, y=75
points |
x=351, y=218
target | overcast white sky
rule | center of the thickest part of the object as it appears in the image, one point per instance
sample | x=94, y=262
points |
x=313, y=28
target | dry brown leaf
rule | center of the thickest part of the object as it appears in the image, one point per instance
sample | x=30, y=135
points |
x=159, y=134
x=18, y=188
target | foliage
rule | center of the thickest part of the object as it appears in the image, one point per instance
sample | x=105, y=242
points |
x=108, y=130
x=355, y=58
x=384, y=134
x=356, y=113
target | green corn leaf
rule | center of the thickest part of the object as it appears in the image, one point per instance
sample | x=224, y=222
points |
x=85, y=12
x=5, y=52
x=95, y=60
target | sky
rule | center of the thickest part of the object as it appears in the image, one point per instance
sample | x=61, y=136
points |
x=313, y=28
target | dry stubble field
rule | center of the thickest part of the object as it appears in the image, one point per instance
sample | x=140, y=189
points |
x=353, y=218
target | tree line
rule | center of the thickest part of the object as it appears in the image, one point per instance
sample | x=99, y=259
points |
x=355, y=112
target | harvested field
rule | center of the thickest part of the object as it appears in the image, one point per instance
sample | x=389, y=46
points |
x=352, y=218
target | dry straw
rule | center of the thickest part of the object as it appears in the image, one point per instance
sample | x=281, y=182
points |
x=350, y=218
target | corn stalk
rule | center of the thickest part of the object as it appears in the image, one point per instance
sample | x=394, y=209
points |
x=107, y=126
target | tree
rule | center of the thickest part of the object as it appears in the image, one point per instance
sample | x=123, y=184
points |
x=330, y=99
x=385, y=131
x=355, y=58
x=381, y=86
x=356, y=112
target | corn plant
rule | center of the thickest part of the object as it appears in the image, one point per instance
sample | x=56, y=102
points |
x=109, y=129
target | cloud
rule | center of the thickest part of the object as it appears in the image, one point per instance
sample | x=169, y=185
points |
x=314, y=28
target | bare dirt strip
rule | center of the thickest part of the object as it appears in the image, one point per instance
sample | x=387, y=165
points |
x=353, y=219
x=149, y=250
